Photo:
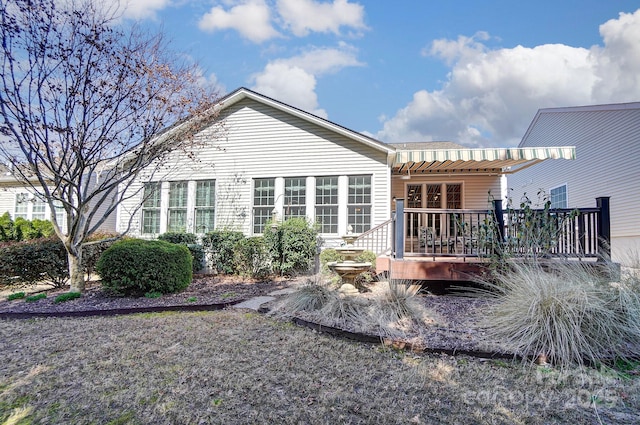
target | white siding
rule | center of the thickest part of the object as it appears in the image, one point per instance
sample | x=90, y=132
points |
x=262, y=142
x=607, y=163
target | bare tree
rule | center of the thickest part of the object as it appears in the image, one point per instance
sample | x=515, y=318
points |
x=85, y=104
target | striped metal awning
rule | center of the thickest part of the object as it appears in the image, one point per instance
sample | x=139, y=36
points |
x=481, y=161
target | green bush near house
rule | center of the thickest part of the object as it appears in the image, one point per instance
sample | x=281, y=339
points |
x=252, y=258
x=37, y=260
x=293, y=246
x=219, y=247
x=179, y=237
x=190, y=240
x=134, y=267
x=328, y=255
x=21, y=229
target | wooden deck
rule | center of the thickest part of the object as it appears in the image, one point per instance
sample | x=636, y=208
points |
x=431, y=268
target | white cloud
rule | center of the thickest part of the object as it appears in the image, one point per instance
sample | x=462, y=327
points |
x=251, y=18
x=137, y=9
x=304, y=16
x=293, y=80
x=491, y=96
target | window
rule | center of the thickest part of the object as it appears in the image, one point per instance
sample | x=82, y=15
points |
x=177, y=216
x=205, y=206
x=295, y=195
x=327, y=204
x=454, y=196
x=151, y=208
x=359, y=203
x=22, y=206
x=38, y=209
x=59, y=212
x=558, y=197
x=263, y=203
x=30, y=207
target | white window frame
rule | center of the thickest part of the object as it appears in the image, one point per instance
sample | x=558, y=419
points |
x=566, y=196
x=30, y=202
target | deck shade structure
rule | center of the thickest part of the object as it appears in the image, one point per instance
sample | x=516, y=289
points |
x=489, y=160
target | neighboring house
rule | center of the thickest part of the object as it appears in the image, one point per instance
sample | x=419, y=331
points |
x=19, y=200
x=265, y=160
x=607, y=141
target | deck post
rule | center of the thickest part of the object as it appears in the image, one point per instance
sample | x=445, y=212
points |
x=497, y=210
x=399, y=229
x=604, y=227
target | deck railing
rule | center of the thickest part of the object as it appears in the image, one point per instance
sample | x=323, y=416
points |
x=581, y=232
x=379, y=239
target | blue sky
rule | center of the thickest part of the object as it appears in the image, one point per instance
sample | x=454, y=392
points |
x=472, y=72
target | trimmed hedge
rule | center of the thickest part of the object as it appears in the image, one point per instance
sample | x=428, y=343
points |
x=219, y=246
x=134, y=267
x=34, y=261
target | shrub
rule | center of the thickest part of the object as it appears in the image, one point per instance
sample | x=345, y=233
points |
x=67, y=297
x=190, y=241
x=38, y=260
x=135, y=267
x=328, y=255
x=565, y=312
x=179, y=237
x=34, y=298
x=16, y=296
x=6, y=228
x=293, y=246
x=23, y=229
x=197, y=257
x=97, y=244
x=219, y=246
x=252, y=258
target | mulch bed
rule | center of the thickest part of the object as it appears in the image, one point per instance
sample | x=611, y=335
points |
x=457, y=333
x=205, y=290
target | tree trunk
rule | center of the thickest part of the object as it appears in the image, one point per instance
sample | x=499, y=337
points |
x=76, y=273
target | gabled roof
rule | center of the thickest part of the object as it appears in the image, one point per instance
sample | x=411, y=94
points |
x=244, y=93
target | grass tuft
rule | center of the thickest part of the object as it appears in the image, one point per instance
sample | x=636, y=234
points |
x=565, y=312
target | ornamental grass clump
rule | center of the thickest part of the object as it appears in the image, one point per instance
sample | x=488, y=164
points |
x=566, y=313
x=311, y=296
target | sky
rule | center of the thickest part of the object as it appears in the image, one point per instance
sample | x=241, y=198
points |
x=467, y=71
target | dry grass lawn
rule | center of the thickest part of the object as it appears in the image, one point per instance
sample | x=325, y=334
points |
x=234, y=367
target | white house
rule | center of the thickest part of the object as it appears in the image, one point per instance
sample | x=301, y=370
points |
x=261, y=159
x=607, y=141
x=265, y=159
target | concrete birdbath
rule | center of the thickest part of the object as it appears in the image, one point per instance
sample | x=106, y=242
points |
x=348, y=268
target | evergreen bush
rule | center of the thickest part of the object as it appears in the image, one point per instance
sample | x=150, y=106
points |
x=252, y=257
x=293, y=246
x=134, y=267
x=37, y=260
x=219, y=248
x=179, y=237
x=190, y=240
